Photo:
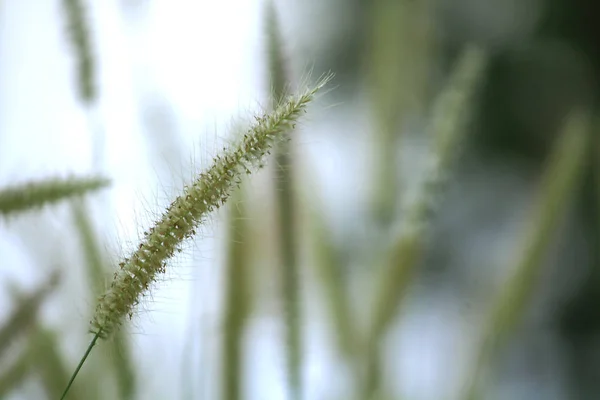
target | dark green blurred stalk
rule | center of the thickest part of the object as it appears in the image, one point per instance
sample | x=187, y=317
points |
x=96, y=272
x=237, y=301
x=558, y=184
x=595, y=142
x=397, y=59
x=330, y=273
x=284, y=188
x=13, y=376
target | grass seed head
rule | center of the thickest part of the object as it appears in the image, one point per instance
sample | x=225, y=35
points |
x=179, y=221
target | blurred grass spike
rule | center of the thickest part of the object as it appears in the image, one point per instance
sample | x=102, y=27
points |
x=24, y=197
x=563, y=173
x=210, y=190
x=398, y=59
x=24, y=315
x=450, y=112
x=79, y=35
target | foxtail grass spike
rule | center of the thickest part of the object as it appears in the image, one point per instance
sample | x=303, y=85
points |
x=208, y=192
x=179, y=222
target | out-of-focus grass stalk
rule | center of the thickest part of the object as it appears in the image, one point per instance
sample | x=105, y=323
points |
x=96, y=272
x=279, y=75
x=25, y=313
x=13, y=376
x=397, y=59
x=79, y=29
x=79, y=35
x=93, y=256
x=43, y=357
x=123, y=365
x=596, y=161
x=560, y=180
x=329, y=271
x=238, y=298
x=449, y=116
x=284, y=188
x=51, y=366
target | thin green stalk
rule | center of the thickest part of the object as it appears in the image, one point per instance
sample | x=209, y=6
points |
x=51, y=365
x=284, y=187
x=560, y=179
x=81, y=362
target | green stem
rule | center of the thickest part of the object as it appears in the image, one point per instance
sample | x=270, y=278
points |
x=279, y=77
x=85, y=356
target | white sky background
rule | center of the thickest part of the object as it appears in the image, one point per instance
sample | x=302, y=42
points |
x=204, y=59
